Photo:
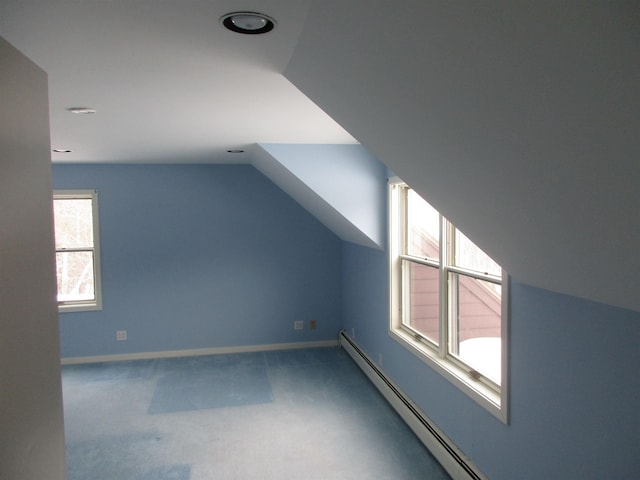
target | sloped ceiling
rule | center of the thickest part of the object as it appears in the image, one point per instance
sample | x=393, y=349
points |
x=343, y=186
x=518, y=120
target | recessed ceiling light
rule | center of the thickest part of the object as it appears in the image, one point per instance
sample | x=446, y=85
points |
x=82, y=110
x=250, y=23
x=61, y=150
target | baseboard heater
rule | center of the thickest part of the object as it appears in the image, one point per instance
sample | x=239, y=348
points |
x=449, y=456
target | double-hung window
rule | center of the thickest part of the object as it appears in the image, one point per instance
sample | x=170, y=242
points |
x=77, y=249
x=448, y=300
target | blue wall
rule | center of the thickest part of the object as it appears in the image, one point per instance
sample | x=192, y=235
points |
x=574, y=394
x=199, y=256
x=208, y=256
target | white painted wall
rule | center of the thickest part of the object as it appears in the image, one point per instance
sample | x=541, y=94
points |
x=31, y=421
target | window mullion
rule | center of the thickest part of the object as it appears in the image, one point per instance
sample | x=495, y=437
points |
x=452, y=291
x=405, y=303
x=404, y=215
x=444, y=331
x=405, y=310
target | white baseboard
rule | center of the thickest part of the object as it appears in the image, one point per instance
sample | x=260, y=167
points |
x=441, y=447
x=197, y=351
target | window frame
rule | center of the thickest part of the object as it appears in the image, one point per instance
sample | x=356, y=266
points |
x=488, y=394
x=96, y=303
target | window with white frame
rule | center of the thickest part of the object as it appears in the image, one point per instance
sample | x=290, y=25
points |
x=448, y=300
x=77, y=249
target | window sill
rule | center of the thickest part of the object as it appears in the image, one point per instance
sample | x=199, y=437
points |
x=489, y=399
x=79, y=307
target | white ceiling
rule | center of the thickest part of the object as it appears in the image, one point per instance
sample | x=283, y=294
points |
x=169, y=83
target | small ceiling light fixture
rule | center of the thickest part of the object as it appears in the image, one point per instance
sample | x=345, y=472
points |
x=82, y=110
x=235, y=151
x=249, y=23
x=61, y=150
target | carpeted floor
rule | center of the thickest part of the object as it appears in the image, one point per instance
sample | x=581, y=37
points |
x=290, y=414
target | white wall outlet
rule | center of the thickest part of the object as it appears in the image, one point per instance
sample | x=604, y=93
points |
x=298, y=325
x=121, y=335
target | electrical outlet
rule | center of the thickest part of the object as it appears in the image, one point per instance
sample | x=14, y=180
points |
x=312, y=325
x=298, y=325
x=121, y=335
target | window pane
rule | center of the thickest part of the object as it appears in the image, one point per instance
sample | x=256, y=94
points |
x=476, y=340
x=423, y=235
x=468, y=255
x=75, y=276
x=424, y=292
x=73, y=222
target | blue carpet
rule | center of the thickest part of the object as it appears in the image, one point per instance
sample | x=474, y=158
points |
x=118, y=457
x=100, y=372
x=173, y=472
x=307, y=414
x=305, y=357
x=204, y=386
